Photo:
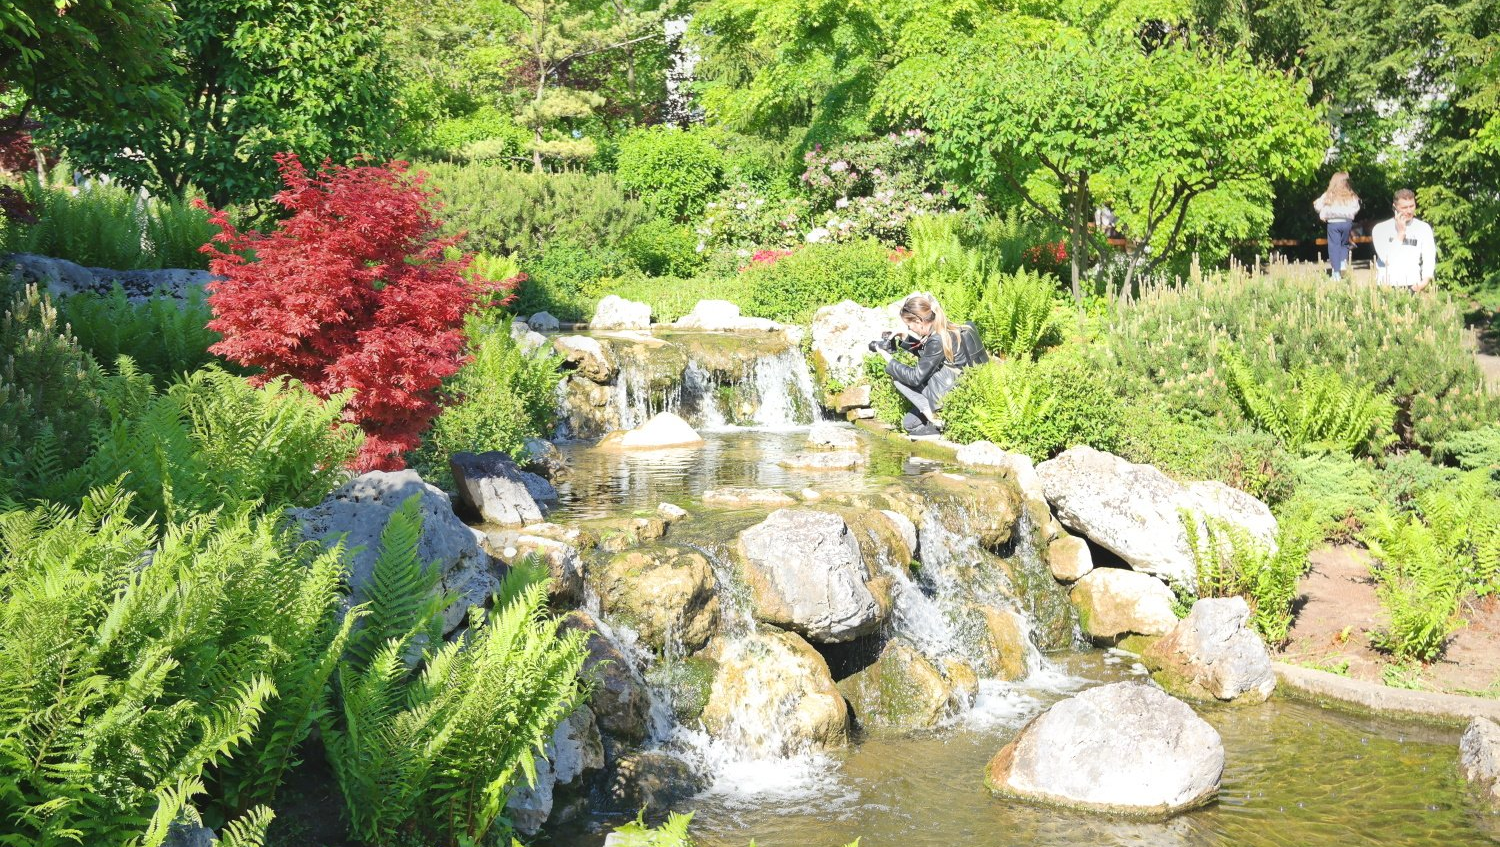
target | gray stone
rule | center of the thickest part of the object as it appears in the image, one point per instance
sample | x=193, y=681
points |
x=1112, y=602
x=543, y=322
x=592, y=360
x=774, y=696
x=805, y=573
x=58, y=277
x=902, y=689
x=1479, y=758
x=1212, y=655
x=620, y=700
x=615, y=312
x=1137, y=512
x=529, y=806
x=564, y=564
x=542, y=458
x=1125, y=748
x=188, y=831
x=493, y=487
x=853, y=398
x=357, y=514
x=983, y=454
x=824, y=460
x=62, y=278
x=653, y=781
x=827, y=435
x=576, y=747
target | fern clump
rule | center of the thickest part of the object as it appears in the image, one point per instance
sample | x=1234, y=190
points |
x=165, y=337
x=144, y=669
x=1319, y=408
x=1230, y=562
x=495, y=402
x=439, y=747
x=1015, y=315
x=1430, y=561
x=1037, y=408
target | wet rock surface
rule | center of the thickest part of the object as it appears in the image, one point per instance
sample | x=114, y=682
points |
x=900, y=690
x=493, y=487
x=1479, y=758
x=620, y=701
x=666, y=594
x=774, y=696
x=805, y=573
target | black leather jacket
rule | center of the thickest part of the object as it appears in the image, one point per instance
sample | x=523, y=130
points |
x=933, y=375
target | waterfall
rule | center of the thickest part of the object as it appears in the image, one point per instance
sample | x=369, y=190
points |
x=785, y=388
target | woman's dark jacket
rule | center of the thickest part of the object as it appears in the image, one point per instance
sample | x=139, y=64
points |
x=933, y=375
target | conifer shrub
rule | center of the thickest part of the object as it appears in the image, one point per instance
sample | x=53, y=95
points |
x=352, y=292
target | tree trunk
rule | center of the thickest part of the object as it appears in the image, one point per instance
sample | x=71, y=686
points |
x=1078, y=220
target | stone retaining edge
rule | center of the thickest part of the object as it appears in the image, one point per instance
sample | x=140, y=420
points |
x=1330, y=689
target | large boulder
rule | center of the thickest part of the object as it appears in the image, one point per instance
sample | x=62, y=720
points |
x=621, y=701
x=491, y=486
x=544, y=322
x=592, y=360
x=1212, y=655
x=665, y=594
x=564, y=564
x=664, y=429
x=722, y=316
x=58, y=277
x=541, y=457
x=1125, y=748
x=615, y=312
x=575, y=747
x=1479, y=758
x=1138, y=513
x=901, y=690
x=841, y=335
x=1113, y=602
x=62, y=278
x=357, y=513
x=805, y=573
x=774, y=696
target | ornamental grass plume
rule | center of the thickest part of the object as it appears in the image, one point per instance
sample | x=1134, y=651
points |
x=355, y=292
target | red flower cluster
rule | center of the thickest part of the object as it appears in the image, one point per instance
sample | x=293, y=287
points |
x=765, y=257
x=900, y=254
x=354, y=291
x=1047, y=256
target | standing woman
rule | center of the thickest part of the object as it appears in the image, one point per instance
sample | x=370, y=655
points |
x=1338, y=207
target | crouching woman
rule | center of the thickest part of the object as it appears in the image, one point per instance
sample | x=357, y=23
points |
x=942, y=348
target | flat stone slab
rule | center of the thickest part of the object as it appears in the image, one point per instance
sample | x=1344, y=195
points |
x=1326, y=689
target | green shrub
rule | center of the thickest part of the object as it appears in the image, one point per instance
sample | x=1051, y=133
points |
x=1170, y=342
x=505, y=211
x=166, y=338
x=144, y=666
x=1009, y=241
x=213, y=441
x=107, y=226
x=422, y=751
x=1474, y=449
x=1252, y=461
x=1317, y=406
x=567, y=279
x=943, y=266
x=673, y=171
x=1335, y=488
x=888, y=403
x=1404, y=476
x=1230, y=562
x=795, y=286
x=495, y=402
x=671, y=298
x=49, y=396
x=1015, y=315
x=1432, y=560
x=663, y=249
x=1037, y=408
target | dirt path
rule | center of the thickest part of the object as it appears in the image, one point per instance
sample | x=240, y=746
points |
x=1338, y=609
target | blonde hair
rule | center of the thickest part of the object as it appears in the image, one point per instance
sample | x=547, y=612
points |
x=925, y=308
x=1339, y=189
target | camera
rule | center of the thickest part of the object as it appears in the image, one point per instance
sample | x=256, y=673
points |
x=894, y=341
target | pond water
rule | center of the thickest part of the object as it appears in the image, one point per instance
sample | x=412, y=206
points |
x=1296, y=774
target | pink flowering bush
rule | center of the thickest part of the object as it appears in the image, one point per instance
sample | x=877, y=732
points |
x=865, y=189
x=742, y=217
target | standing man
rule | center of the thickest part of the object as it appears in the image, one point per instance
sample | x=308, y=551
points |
x=1405, y=252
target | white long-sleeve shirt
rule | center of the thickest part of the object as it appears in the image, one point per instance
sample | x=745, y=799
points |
x=1333, y=212
x=1404, y=262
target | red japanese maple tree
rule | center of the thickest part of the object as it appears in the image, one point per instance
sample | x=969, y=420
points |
x=354, y=290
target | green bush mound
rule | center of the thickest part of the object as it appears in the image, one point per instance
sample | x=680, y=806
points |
x=165, y=337
x=672, y=170
x=1038, y=408
x=793, y=287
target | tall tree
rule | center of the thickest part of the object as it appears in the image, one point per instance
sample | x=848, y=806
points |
x=257, y=78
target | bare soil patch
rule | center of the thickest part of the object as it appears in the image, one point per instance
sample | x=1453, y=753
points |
x=1337, y=610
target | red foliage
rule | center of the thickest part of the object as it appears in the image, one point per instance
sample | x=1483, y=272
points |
x=352, y=291
x=765, y=257
x=1047, y=257
x=899, y=255
x=15, y=207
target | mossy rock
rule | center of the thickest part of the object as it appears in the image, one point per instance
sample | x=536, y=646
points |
x=688, y=681
x=901, y=690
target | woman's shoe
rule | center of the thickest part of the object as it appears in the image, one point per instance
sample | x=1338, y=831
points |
x=925, y=431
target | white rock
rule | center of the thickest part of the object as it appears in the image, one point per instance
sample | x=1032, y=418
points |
x=722, y=316
x=805, y=573
x=983, y=454
x=824, y=460
x=1136, y=511
x=1212, y=655
x=670, y=512
x=664, y=429
x=774, y=696
x=904, y=527
x=1069, y=558
x=1122, y=748
x=1479, y=757
x=1113, y=602
x=744, y=497
x=615, y=312
x=841, y=335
